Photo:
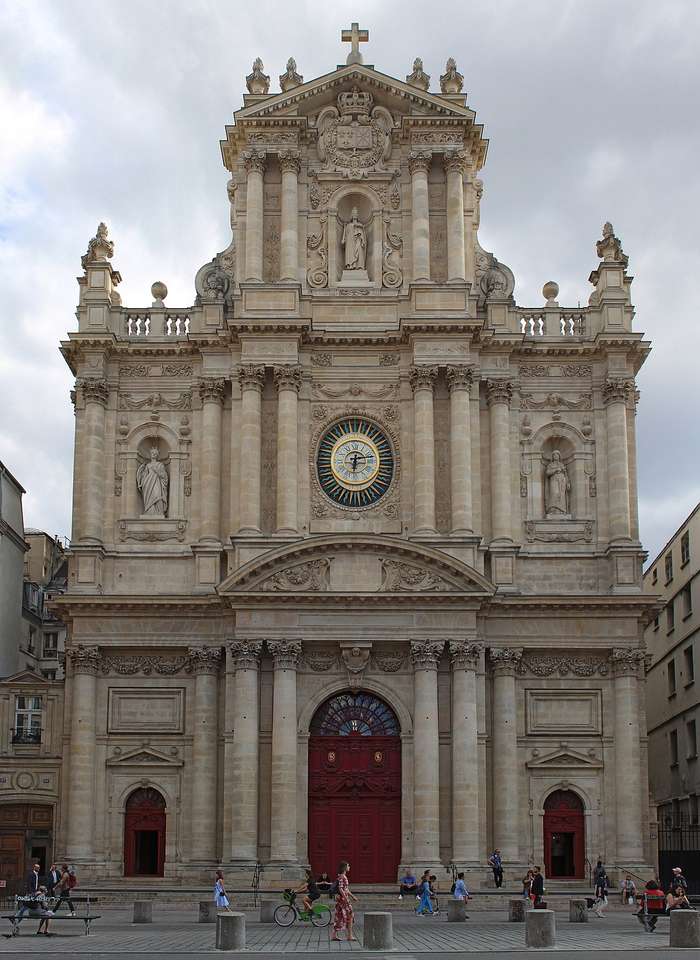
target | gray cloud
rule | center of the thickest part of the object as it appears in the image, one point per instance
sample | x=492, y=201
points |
x=116, y=113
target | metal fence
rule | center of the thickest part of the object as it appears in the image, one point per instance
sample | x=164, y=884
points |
x=679, y=846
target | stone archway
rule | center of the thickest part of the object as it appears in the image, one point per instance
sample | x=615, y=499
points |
x=564, y=836
x=144, y=834
x=355, y=787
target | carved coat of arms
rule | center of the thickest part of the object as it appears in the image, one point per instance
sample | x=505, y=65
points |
x=354, y=137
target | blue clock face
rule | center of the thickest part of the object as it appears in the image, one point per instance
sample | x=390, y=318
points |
x=355, y=463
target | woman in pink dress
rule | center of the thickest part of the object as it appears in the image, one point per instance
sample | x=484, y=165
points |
x=344, y=916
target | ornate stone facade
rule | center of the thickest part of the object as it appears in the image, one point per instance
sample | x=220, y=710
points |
x=497, y=614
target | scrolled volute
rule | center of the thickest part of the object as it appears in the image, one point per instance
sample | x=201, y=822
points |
x=505, y=660
x=426, y=654
x=84, y=658
x=285, y=653
x=204, y=659
x=245, y=654
x=465, y=654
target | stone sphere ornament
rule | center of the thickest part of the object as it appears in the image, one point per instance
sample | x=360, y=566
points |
x=550, y=290
x=158, y=290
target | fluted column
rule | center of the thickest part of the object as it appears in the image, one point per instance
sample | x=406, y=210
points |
x=426, y=752
x=245, y=657
x=505, y=787
x=254, y=162
x=205, y=662
x=459, y=382
x=84, y=662
x=289, y=243
x=422, y=380
x=252, y=378
x=211, y=392
x=288, y=382
x=498, y=395
x=628, y=666
x=283, y=826
x=616, y=395
x=465, y=655
x=419, y=165
x=95, y=394
x=455, y=162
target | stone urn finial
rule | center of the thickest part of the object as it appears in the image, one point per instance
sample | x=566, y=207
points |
x=610, y=247
x=159, y=292
x=258, y=82
x=291, y=78
x=550, y=292
x=452, y=80
x=418, y=78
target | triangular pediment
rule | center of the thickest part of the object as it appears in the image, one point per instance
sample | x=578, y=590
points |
x=564, y=758
x=373, y=566
x=27, y=676
x=143, y=756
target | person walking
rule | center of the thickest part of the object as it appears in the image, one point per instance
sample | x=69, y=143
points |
x=496, y=864
x=537, y=887
x=460, y=891
x=598, y=870
x=53, y=878
x=425, y=901
x=67, y=882
x=344, y=915
x=407, y=884
x=678, y=878
x=601, y=893
x=220, y=895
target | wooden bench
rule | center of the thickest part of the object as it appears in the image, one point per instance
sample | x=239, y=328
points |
x=39, y=914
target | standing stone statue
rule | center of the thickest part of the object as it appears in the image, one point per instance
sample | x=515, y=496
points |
x=354, y=243
x=557, y=487
x=152, y=481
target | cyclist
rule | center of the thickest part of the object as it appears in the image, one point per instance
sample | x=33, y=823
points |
x=310, y=891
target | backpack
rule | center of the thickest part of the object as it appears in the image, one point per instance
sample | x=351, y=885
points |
x=72, y=879
x=452, y=888
x=334, y=890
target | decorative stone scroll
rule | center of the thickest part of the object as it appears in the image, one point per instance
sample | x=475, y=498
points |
x=317, y=273
x=618, y=390
x=93, y=390
x=211, y=389
x=84, y=658
x=569, y=531
x=392, y=275
x=205, y=659
x=251, y=376
x=310, y=577
x=423, y=377
x=254, y=160
x=322, y=359
x=398, y=577
x=426, y=654
x=505, y=660
x=546, y=665
x=459, y=377
x=465, y=654
x=389, y=359
x=146, y=664
x=554, y=401
x=245, y=653
x=419, y=160
x=381, y=392
x=626, y=661
x=288, y=377
x=176, y=370
x=499, y=391
x=285, y=653
x=156, y=401
x=320, y=661
x=389, y=661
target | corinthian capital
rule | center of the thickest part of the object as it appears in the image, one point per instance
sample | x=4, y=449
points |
x=426, y=653
x=465, y=654
x=455, y=160
x=627, y=662
x=289, y=161
x=459, y=377
x=423, y=378
x=505, y=660
x=84, y=658
x=93, y=389
x=618, y=390
x=419, y=160
x=204, y=659
x=251, y=376
x=253, y=161
x=285, y=653
x=245, y=654
x=211, y=389
x=499, y=391
x=288, y=377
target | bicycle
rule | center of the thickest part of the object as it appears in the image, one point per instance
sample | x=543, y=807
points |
x=288, y=912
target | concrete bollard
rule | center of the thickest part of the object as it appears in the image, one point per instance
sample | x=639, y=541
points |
x=143, y=911
x=517, y=910
x=230, y=931
x=456, y=911
x=379, y=932
x=540, y=931
x=207, y=911
x=578, y=911
x=685, y=928
x=267, y=910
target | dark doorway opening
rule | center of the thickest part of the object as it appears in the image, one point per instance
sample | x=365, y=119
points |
x=146, y=855
x=564, y=836
x=562, y=855
x=144, y=834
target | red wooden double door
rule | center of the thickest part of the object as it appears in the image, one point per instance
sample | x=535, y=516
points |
x=564, y=835
x=355, y=805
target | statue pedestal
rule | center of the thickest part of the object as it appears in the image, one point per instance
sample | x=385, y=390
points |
x=354, y=278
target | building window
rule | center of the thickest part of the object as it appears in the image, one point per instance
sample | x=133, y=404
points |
x=656, y=622
x=49, y=674
x=686, y=601
x=654, y=576
x=671, y=677
x=673, y=748
x=670, y=616
x=50, y=644
x=693, y=808
x=692, y=739
x=685, y=548
x=30, y=641
x=668, y=567
x=689, y=662
x=27, y=720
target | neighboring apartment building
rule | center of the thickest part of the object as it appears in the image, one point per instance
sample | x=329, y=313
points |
x=673, y=699
x=45, y=575
x=12, y=550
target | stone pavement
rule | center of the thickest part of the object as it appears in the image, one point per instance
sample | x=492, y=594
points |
x=176, y=932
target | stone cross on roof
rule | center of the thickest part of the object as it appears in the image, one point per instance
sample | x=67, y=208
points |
x=355, y=36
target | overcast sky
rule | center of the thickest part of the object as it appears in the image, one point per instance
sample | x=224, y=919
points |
x=115, y=111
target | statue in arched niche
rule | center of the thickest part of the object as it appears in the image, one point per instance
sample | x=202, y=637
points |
x=152, y=481
x=354, y=243
x=557, y=487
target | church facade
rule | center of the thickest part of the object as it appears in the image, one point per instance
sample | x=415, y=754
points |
x=355, y=569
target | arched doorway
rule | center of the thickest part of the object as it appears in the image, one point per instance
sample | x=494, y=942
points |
x=144, y=834
x=564, y=835
x=355, y=788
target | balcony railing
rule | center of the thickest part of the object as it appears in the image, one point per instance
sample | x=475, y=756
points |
x=22, y=735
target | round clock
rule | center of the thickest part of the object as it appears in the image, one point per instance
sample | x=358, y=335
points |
x=355, y=463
